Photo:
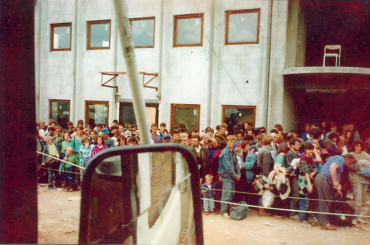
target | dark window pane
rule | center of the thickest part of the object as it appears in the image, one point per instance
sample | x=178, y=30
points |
x=235, y=116
x=99, y=36
x=62, y=37
x=98, y=113
x=143, y=32
x=60, y=113
x=188, y=116
x=127, y=115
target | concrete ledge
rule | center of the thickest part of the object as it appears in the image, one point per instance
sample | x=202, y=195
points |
x=321, y=70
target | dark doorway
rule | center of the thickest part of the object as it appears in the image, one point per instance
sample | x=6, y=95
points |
x=336, y=106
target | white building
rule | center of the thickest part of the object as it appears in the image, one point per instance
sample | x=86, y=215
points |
x=249, y=60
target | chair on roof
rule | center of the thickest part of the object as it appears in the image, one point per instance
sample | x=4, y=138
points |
x=335, y=55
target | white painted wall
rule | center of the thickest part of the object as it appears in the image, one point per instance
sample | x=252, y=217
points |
x=186, y=72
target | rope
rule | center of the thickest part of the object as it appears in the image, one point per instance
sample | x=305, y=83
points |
x=290, y=210
x=61, y=160
x=53, y=169
x=313, y=199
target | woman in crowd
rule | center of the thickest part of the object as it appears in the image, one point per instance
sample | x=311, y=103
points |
x=121, y=140
x=77, y=140
x=349, y=140
x=85, y=151
x=326, y=144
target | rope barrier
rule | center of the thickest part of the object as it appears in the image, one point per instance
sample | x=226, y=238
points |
x=303, y=198
x=289, y=210
x=53, y=169
x=61, y=160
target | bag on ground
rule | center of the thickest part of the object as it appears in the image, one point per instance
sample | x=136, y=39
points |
x=239, y=212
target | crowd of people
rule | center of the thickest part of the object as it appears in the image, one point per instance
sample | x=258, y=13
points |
x=320, y=163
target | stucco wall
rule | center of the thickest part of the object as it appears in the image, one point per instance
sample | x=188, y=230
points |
x=214, y=72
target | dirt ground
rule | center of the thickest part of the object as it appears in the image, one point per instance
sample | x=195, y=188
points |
x=59, y=224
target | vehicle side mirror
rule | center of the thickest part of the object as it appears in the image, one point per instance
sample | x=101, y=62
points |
x=146, y=194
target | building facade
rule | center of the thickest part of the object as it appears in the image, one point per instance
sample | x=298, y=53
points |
x=206, y=62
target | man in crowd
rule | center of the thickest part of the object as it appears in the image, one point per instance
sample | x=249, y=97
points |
x=293, y=153
x=229, y=172
x=58, y=136
x=108, y=141
x=155, y=137
x=327, y=185
x=252, y=132
x=201, y=155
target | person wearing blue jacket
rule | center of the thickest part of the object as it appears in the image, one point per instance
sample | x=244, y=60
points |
x=249, y=160
x=229, y=172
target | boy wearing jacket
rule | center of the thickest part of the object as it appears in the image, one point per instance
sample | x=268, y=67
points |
x=207, y=190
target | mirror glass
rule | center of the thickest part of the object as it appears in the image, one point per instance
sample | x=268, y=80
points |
x=140, y=197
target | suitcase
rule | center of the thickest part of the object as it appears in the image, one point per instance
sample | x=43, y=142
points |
x=239, y=212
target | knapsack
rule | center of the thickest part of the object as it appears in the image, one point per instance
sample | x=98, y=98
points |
x=341, y=208
x=239, y=212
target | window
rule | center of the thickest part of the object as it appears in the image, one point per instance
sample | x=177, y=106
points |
x=127, y=115
x=98, y=34
x=96, y=112
x=234, y=115
x=186, y=114
x=59, y=111
x=188, y=30
x=143, y=32
x=242, y=26
x=60, y=37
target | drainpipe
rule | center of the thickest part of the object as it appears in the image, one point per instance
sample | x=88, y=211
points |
x=115, y=95
x=210, y=66
x=132, y=72
x=160, y=59
x=38, y=11
x=268, y=66
x=74, y=105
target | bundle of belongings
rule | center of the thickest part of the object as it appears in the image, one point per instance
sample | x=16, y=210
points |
x=275, y=183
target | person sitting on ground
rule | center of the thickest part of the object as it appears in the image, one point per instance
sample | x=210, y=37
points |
x=229, y=172
x=208, y=192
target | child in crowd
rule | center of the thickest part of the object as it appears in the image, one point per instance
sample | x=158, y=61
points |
x=185, y=139
x=208, y=195
x=85, y=151
x=66, y=143
x=69, y=168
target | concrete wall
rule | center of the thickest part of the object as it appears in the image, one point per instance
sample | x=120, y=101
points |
x=212, y=75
